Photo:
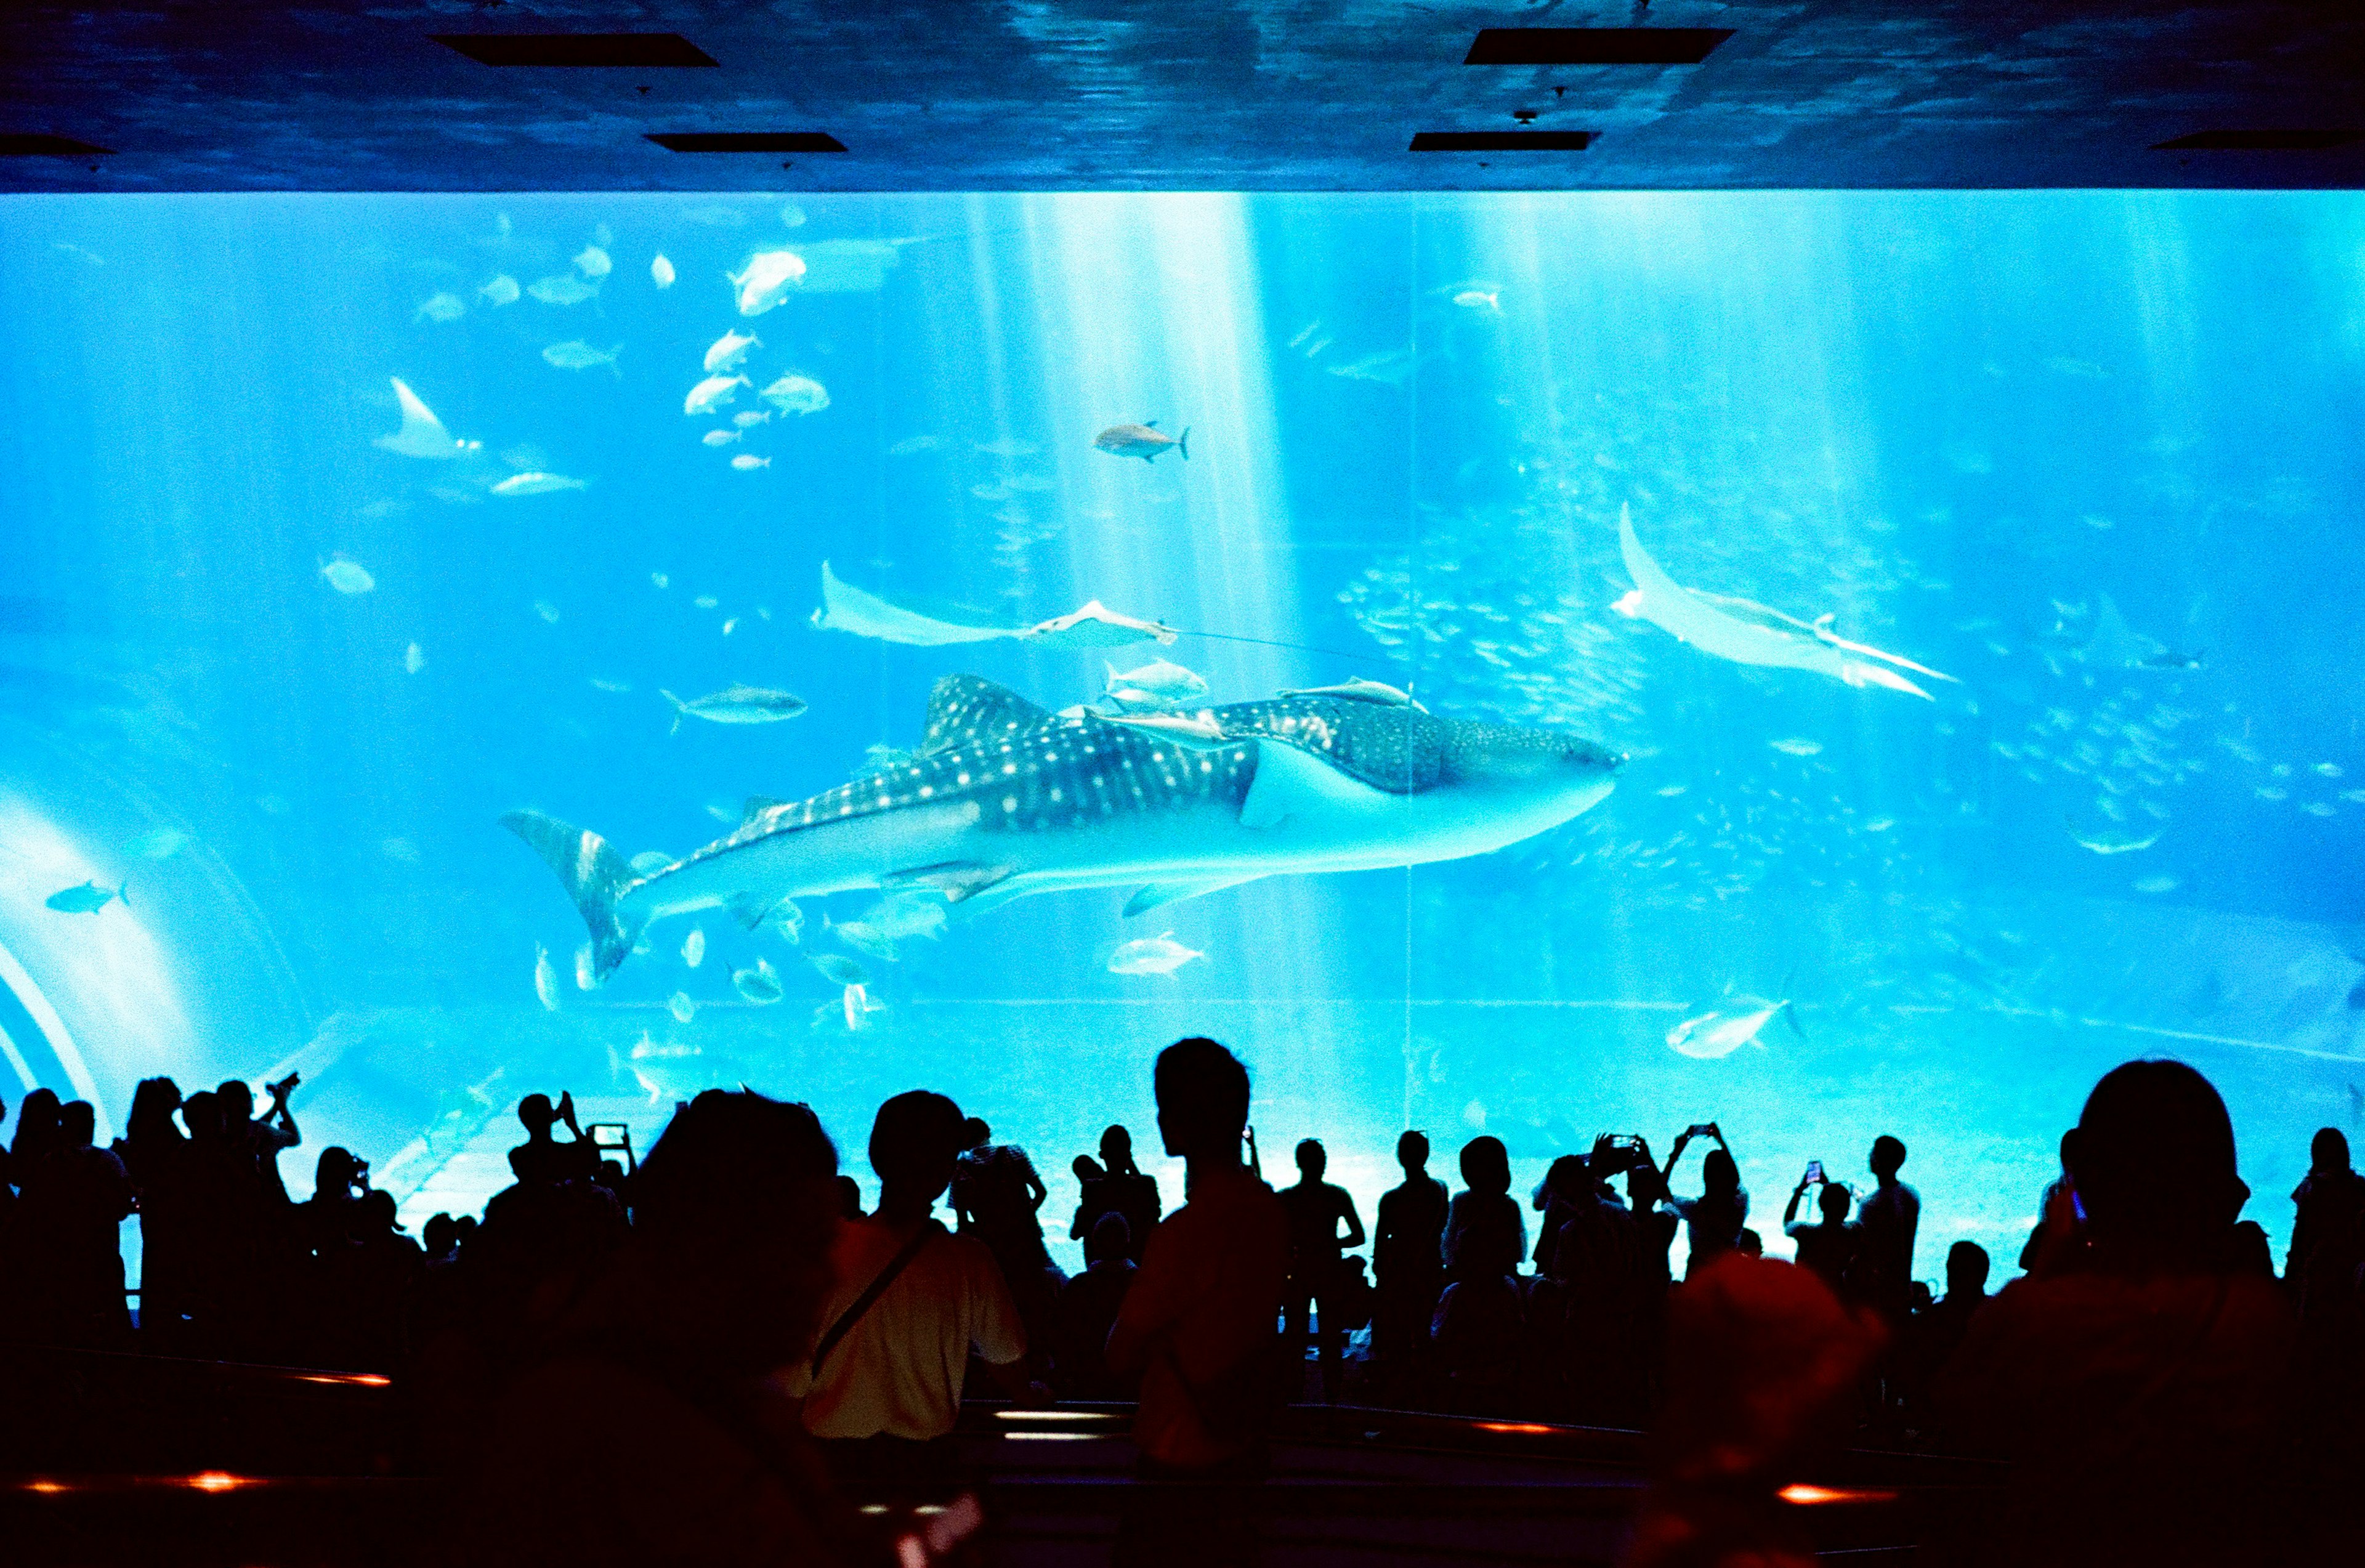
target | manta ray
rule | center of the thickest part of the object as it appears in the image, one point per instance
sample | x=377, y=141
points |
x=1004, y=800
x=1748, y=632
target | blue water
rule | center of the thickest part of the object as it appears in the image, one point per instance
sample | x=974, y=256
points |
x=1961, y=425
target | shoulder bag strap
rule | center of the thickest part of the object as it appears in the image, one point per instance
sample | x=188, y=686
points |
x=838, y=1330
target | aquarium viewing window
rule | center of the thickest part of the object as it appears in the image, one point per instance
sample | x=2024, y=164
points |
x=1544, y=666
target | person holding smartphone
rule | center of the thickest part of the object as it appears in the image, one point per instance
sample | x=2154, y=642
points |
x=1829, y=1249
x=1712, y=1222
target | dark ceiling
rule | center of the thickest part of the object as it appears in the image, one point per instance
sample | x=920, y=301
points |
x=1124, y=94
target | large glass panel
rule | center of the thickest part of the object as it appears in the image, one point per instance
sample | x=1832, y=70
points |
x=1966, y=580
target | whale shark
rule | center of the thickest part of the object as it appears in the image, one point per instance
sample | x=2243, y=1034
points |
x=1004, y=800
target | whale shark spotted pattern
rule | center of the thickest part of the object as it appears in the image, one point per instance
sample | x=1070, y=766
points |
x=1004, y=800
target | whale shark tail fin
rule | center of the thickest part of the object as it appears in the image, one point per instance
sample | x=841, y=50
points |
x=593, y=875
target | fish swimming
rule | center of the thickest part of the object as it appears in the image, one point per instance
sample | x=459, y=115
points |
x=545, y=978
x=538, y=485
x=594, y=263
x=759, y=984
x=693, y=948
x=728, y=350
x=1750, y=633
x=414, y=659
x=1358, y=689
x=1190, y=732
x=1144, y=440
x=348, y=577
x=721, y=437
x=795, y=395
x=87, y=899
x=1479, y=299
x=423, y=434
x=661, y=272
x=766, y=280
x=736, y=705
x=862, y=936
x=747, y=419
x=1004, y=800
x=564, y=288
x=713, y=393
x=747, y=462
x=838, y=969
x=1160, y=680
x=2110, y=842
x=445, y=306
x=577, y=354
x=1723, y=1030
x=1391, y=367
x=1159, y=955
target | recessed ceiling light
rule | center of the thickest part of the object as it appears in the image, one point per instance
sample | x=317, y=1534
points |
x=749, y=141
x=639, y=51
x=21, y=145
x=2259, y=140
x=1502, y=141
x=1594, y=45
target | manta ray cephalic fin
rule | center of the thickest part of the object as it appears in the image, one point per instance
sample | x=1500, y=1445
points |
x=1157, y=894
x=1293, y=783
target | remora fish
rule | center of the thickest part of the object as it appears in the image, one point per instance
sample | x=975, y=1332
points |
x=1749, y=634
x=1004, y=800
x=87, y=899
x=1144, y=440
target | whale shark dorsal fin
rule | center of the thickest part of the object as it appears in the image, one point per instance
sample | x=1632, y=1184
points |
x=967, y=708
x=1156, y=895
x=1294, y=784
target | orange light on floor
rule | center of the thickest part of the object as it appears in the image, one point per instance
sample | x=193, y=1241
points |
x=45, y=1486
x=219, y=1480
x=1808, y=1496
x=1533, y=1428
x=354, y=1380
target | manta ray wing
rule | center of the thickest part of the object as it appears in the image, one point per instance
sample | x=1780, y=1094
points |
x=847, y=609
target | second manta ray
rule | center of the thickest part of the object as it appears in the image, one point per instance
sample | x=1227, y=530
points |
x=1004, y=800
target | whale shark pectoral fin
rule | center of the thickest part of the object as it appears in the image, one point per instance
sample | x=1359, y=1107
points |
x=1293, y=783
x=1157, y=894
x=958, y=880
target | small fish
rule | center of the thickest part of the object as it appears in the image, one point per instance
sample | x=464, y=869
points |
x=661, y=272
x=792, y=215
x=1358, y=689
x=414, y=659
x=747, y=462
x=400, y=849
x=1162, y=681
x=682, y=1008
x=1144, y=440
x=1159, y=955
x=563, y=288
x=1479, y=299
x=728, y=350
x=766, y=280
x=733, y=624
x=2320, y=809
x=760, y=985
x=863, y=937
x=795, y=395
x=502, y=290
x=587, y=975
x=2354, y=797
x=1191, y=731
x=856, y=1002
x=1721, y=1031
x=348, y=577
x=87, y=899
x=618, y=687
x=737, y=705
x=693, y=948
x=912, y=443
x=2328, y=769
x=1305, y=332
x=594, y=263
x=906, y=914
x=706, y=602
x=547, y=610
x=545, y=978
x=649, y=861
x=442, y=307
x=1391, y=367
x=839, y=969
x=747, y=419
x=1669, y=791
x=658, y=580
x=1795, y=746
x=157, y=844
x=538, y=485
x=577, y=354
x=2270, y=792
x=2157, y=885
x=713, y=393
x=2110, y=842
x=721, y=437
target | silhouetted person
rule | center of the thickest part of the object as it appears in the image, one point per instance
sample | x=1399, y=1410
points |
x=639, y=1435
x=542, y=1160
x=1088, y=1304
x=439, y=1239
x=1566, y=1183
x=1598, y=1260
x=998, y=1197
x=1121, y=1188
x=8, y=1182
x=1316, y=1210
x=154, y=1156
x=1198, y=1326
x=1485, y=1235
x=2055, y=1232
x=66, y=1240
x=1829, y=1247
x=2139, y=1395
x=1886, y=1222
x=2323, y=1259
x=908, y=1305
x=1713, y=1221
x=1407, y=1256
x=37, y=1131
x=849, y=1198
x=325, y=1220
x=261, y=1137
x=1937, y=1330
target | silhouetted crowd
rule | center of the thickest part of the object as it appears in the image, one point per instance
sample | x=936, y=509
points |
x=697, y=1351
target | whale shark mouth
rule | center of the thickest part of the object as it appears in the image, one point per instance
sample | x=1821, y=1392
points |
x=1004, y=800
